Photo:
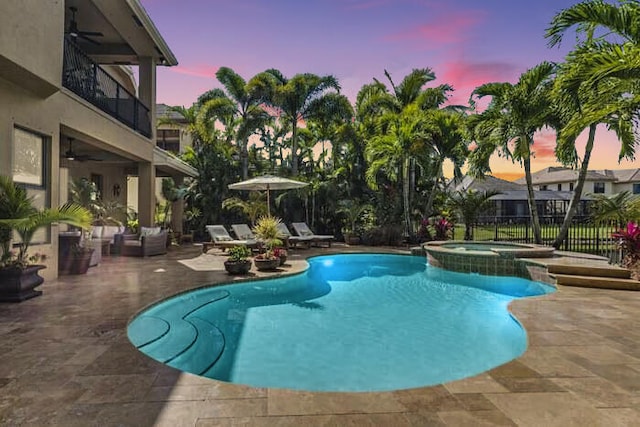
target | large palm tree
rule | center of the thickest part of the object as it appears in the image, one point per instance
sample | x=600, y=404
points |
x=449, y=138
x=598, y=84
x=515, y=113
x=403, y=113
x=239, y=107
x=608, y=101
x=325, y=125
x=300, y=98
x=401, y=138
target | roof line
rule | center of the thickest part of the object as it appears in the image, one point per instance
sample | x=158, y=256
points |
x=152, y=30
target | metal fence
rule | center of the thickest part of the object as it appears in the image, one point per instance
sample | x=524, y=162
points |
x=584, y=235
x=87, y=79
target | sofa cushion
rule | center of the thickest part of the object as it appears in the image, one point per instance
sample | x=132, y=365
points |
x=148, y=231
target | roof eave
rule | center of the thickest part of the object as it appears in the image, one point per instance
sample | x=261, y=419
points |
x=150, y=27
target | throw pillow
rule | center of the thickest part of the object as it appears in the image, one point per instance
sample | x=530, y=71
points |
x=149, y=231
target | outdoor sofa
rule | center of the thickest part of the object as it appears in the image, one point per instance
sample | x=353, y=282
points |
x=151, y=241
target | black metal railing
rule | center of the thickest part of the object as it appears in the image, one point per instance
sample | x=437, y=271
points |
x=87, y=79
x=584, y=235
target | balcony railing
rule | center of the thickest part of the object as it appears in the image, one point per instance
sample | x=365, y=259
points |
x=87, y=79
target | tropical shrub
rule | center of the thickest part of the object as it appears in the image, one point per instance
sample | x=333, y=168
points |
x=266, y=229
x=629, y=241
x=18, y=214
x=239, y=253
x=443, y=228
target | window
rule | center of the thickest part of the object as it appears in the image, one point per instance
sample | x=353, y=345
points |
x=544, y=187
x=169, y=140
x=598, y=187
x=30, y=170
x=571, y=186
x=636, y=188
x=559, y=187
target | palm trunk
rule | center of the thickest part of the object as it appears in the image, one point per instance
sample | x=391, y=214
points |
x=432, y=193
x=294, y=148
x=405, y=197
x=533, y=211
x=244, y=159
x=313, y=208
x=577, y=192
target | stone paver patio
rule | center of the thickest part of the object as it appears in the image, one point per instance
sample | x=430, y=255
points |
x=65, y=360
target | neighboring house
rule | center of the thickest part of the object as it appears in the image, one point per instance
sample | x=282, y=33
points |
x=609, y=181
x=512, y=204
x=69, y=109
x=172, y=134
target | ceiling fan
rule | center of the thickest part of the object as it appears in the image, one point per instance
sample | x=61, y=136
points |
x=73, y=156
x=74, y=32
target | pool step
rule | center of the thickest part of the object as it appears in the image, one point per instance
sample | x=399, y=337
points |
x=180, y=337
x=596, y=282
x=589, y=270
x=205, y=350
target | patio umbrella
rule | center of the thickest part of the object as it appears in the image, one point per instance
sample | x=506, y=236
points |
x=267, y=183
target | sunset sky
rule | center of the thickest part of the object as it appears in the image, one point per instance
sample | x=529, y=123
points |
x=465, y=42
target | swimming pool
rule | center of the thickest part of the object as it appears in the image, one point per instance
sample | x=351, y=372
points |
x=356, y=322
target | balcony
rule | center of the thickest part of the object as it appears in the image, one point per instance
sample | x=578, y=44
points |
x=85, y=78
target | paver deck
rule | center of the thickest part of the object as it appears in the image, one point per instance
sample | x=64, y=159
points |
x=65, y=360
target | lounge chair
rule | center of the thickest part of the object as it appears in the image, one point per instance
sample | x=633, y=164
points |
x=243, y=232
x=303, y=230
x=293, y=240
x=221, y=238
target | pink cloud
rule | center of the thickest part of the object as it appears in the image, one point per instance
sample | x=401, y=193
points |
x=466, y=76
x=544, y=144
x=206, y=71
x=451, y=28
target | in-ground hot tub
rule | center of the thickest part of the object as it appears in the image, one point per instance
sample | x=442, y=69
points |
x=489, y=258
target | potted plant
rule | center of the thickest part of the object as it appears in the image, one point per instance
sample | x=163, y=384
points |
x=266, y=230
x=80, y=259
x=266, y=261
x=238, y=261
x=18, y=273
x=281, y=253
x=353, y=211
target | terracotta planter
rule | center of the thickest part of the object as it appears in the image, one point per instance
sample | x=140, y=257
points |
x=18, y=284
x=238, y=267
x=266, y=264
x=283, y=259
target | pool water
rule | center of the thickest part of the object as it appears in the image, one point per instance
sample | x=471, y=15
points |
x=356, y=322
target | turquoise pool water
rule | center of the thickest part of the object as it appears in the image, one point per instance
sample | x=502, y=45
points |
x=357, y=322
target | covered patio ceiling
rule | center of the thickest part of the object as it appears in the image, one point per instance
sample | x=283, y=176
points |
x=127, y=32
